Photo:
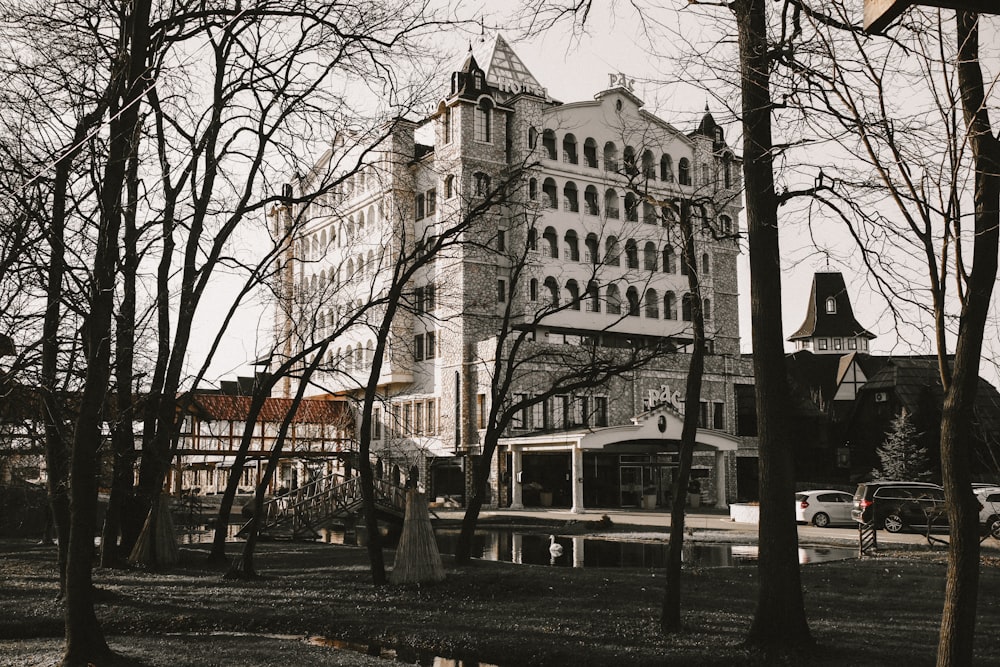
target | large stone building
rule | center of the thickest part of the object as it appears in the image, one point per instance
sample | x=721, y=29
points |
x=555, y=220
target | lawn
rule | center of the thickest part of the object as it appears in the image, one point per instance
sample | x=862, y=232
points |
x=878, y=611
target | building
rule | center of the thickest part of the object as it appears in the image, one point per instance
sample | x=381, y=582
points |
x=575, y=241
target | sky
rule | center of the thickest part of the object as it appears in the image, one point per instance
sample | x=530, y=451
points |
x=574, y=65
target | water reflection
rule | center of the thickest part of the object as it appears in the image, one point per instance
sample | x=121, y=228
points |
x=400, y=655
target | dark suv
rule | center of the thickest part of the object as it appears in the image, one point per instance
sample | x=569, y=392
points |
x=896, y=506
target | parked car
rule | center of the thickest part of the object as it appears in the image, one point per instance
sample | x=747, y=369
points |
x=989, y=513
x=823, y=507
x=896, y=506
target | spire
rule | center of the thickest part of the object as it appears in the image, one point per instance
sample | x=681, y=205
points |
x=507, y=72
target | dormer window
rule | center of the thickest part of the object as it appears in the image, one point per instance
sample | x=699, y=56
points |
x=831, y=305
x=478, y=77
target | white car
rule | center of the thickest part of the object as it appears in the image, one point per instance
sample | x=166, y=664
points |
x=989, y=515
x=823, y=507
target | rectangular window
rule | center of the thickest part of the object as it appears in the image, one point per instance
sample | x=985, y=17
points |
x=376, y=423
x=501, y=291
x=431, y=406
x=481, y=411
x=559, y=404
x=821, y=344
x=519, y=421
x=418, y=418
x=429, y=302
x=431, y=202
x=430, y=345
x=838, y=343
x=852, y=343
x=419, y=208
x=484, y=131
x=600, y=411
x=703, y=414
x=418, y=299
x=407, y=419
x=447, y=126
x=719, y=416
x=578, y=412
x=537, y=415
x=501, y=240
x=418, y=347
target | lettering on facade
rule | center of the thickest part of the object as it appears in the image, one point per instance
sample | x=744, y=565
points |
x=663, y=395
x=514, y=87
x=620, y=80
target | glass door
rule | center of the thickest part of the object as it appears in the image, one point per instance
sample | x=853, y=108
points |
x=631, y=485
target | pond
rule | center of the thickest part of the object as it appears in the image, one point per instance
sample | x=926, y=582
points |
x=513, y=546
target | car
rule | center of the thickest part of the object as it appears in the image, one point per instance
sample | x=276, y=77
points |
x=823, y=507
x=989, y=513
x=896, y=506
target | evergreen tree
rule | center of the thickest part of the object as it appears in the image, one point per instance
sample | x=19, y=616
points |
x=901, y=456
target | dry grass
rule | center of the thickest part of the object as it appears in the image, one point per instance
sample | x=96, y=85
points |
x=881, y=611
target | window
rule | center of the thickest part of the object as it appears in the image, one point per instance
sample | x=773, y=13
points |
x=449, y=186
x=590, y=153
x=429, y=301
x=648, y=166
x=501, y=240
x=533, y=189
x=670, y=306
x=669, y=260
x=569, y=149
x=559, y=405
x=705, y=175
x=533, y=289
x=481, y=411
x=431, y=202
x=631, y=254
x=703, y=414
x=519, y=420
x=593, y=298
x=551, y=193
x=614, y=300
x=632, y=294
x=552, y=242
x=376, y=423
x=822, y=344
x=532, y=137
x=611, y=204
x=684, y=171
x=484, y=123
x=838, y=343
x=610, y=156
x=447, y=126
x=501, y=291
x=590, y=206
x=418, y=421
x=726, y=224
x=666, y=169
x=727, y=170
x=571, y=200
x=418, y=347
x=852, y=343
x=549, y=144
x=648, y=213
x=629, y=158
x=612, y=252
x=686, y=301
x=419, y=207
x=631, y=208
x=706, y=265
x=572, y=246
x=573, y=289
x=553, y=289
x=430, y=345
x=706, y=309
x=600, y=410
x=652, y=304
x=482, y=184
x=831, y=305
x=407, y=419
x=593, y=252
x=532, y=239
x=649, y=256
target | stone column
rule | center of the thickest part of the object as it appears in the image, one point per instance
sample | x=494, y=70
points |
x=720, y=480
x=577, y=479
x=515, y=471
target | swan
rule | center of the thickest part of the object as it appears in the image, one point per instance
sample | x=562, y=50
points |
x=555, y=550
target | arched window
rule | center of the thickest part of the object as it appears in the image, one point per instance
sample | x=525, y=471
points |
x=593, y=254
x=727, y=170
x=553, y=289
x=533, y=189
x=571, y=198
x=370, y=262
x=652, y=304
x=361, y=221
x=670, y=306
x=610, y=156
x=726, y=225
x=549, y=144
x=831, y=305
x=669, y=215
x=551, y=193
x=369, y=352
x=612, y=252
x=611, y=203
x=648, y=165
x=484, y=122
x=590, y=153
x=590, y=205
x=569, y=149
x=629, y=158
x=649, y=256
x=706, y=177
x=648, y=213
x=706, y=265
x=532, y=238
x=449, y=186
x=323, y=241
x=573, y=292
x=666, y=169
x=532, y=137
x=572, y=246
x=533, y=290
x=684, y=171
x=359, y=357
x=446, y=119
x=482, y=182
x=669, y=260
x=631, y=208
x=350, y=267
x=632, y=294
x=593, y=298
x=614, y=300
x=551, y=242
x=706, y=309
x=686, y=302
x=631, y=254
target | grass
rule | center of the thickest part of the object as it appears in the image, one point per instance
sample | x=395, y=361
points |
x=877, y=611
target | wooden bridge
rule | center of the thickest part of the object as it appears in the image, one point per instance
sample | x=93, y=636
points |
x=326, y=501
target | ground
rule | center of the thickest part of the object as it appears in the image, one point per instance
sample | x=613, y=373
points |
x=876, y=611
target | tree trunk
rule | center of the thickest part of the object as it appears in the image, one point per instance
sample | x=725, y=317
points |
x=780, y=619
x=958, y=618
x=474, y=505
x=670, y=619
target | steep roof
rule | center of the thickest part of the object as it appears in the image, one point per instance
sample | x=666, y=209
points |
x=818, y=321
x=506, y=71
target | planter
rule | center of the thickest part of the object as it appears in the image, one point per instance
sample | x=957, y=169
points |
x=545, y=498
x=744, y=513
x=649, y=501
